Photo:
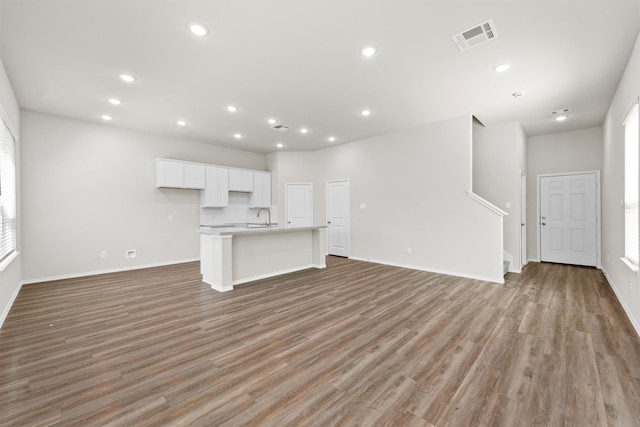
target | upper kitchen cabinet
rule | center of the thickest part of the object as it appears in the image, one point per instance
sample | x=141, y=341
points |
x=241, y=180
x=178, y=174
x=261, y=196
x=216, y=192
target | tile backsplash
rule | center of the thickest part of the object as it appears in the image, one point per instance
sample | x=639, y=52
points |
x=238, y=212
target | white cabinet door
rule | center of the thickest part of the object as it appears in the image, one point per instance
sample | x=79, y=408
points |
x=261, y=196
x=169, y=173
x=194, y=176
x=216, y=192
x=178, y=174
x=240, y=180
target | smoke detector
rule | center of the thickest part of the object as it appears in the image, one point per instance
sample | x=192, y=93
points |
x=475, y=35
x=280, y=128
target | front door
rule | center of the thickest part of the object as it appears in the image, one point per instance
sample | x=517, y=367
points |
x=299, y=205
x=568, y=219
x=338, y=217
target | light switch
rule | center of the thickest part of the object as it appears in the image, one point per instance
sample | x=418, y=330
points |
x=508, y=205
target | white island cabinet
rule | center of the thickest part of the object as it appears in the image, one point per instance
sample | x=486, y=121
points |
x=230, y=256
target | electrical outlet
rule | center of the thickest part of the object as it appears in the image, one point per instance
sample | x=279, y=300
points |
x=130, y=253
x=103, y=254
x=507, y=205
x=630, y=285
x=409, y=251
x=170, y=217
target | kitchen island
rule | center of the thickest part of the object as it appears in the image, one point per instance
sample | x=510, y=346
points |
x=233, y=255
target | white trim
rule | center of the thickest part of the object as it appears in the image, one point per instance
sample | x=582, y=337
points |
x=635, y=101
x=7, y=309
x=598, y=211
x=272, y=274
x=534, y=259
x=493, y=208
x=431, y=270
x=629, y=264
x=4, y=264
x=627, y=311
x=107, y=271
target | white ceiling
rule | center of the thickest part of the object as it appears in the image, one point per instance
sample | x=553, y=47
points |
x=299, y=61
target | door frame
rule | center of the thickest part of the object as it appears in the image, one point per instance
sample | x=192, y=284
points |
x=326, y=213
x=598, y=212
x=286, y=201
x=523, y=220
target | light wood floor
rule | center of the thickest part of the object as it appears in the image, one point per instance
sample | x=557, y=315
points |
x=357, y=344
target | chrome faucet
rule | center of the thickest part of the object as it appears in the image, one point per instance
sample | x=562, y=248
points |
x=268, y=212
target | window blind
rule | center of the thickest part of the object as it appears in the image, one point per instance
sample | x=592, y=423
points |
x=631, y=193
x=7, y=191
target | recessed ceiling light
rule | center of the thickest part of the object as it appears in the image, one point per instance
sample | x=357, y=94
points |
x=332, y=139
x=365, y=113
x=561, y=118
x=107, y=117
x=115, y=101
x=128, y=78
x=368, y=51
x=519, y=93
x=198, y=29
x=237, y=135
x=501, y=68
x=182, y=123
x=304, y=130
x=272, y=121
x=232, y=108
x=279, y=145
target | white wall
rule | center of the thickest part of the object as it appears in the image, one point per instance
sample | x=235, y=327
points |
x=619, y=275
x=88, y=188
x=574, y=151
x=414, y=184
x=11, y=276
x=497, y=165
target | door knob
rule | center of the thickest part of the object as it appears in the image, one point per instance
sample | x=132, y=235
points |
x=288, y=222
x=328, y=222
x=544, y=217
x=544, y=223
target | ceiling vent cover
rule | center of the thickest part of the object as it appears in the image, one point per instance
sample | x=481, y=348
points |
x=475, y=35
x=562, y=111
x=280, y=128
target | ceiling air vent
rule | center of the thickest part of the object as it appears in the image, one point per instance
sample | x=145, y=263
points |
x=476, y=35
x=280, y=128
x=559, y=112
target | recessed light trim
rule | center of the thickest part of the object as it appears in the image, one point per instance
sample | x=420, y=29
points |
x=106, y=117
x=368, y=51
x=332, y=139
x=365, y=113
x=304, y=130
x=561, y=118
x=182, y=123
x=279, y=145
x=232, y=108
x=115, y=101
x=127, y=78
x=198, y=29
x=237, y=135
x=501, y=68
x=272, y=121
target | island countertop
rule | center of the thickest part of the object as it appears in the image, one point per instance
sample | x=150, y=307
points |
x=243, y=231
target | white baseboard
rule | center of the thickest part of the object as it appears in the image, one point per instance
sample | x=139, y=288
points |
x=112, y=270
x=6, y=310
x=533, y=260
x=431, y=270
x=627, y=311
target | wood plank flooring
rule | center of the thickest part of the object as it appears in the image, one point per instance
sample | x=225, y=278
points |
x=357, y=344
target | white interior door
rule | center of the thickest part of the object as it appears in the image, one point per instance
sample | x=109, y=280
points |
x=299, y=205
x=338, y=217
x=523, y=220
x=568, y=219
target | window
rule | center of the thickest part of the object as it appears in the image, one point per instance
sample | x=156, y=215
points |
x=7, y=192
x=631, y=163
